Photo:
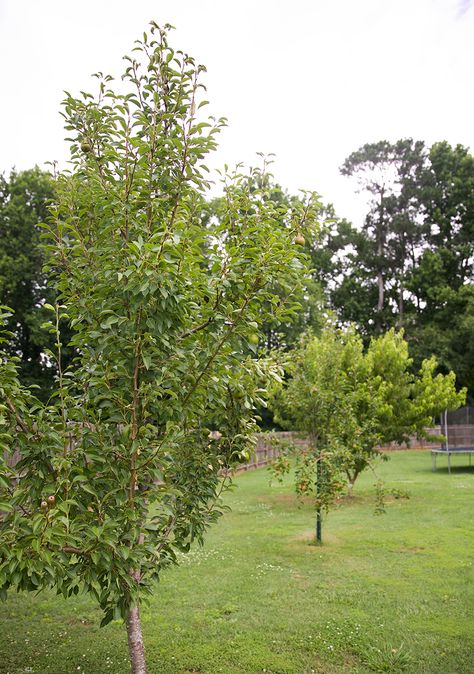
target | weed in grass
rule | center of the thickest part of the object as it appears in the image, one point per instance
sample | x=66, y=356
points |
x=384, y=493
x=386, y=658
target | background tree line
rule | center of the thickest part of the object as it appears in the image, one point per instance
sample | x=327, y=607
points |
x=410, y=264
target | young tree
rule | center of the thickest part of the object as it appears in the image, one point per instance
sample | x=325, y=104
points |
x=121, y=469
x=311, y=404
x=349, y=400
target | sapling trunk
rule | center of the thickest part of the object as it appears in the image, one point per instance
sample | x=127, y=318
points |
x=318, y=526
x=136, y=648
x=318, y=493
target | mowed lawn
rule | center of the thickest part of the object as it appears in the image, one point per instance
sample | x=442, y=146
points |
x=385, y=593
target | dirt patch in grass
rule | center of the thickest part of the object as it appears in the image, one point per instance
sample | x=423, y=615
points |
x=307, y=501
x=308, y=538
x=354, y=499
x=288, y=499
x=412, y=550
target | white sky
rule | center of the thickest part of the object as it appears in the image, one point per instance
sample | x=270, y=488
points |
x=310, y=80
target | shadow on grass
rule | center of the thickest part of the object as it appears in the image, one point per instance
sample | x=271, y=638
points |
x=455, y=470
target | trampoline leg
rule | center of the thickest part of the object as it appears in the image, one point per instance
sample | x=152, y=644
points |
x=449, y=463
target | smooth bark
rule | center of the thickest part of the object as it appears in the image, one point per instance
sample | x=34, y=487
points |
x=136, y=646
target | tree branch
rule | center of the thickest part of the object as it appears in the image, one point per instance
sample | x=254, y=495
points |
x=70, y=549
x=18, y=419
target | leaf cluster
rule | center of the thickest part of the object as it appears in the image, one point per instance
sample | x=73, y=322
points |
x=348, y=400
x=163, y=301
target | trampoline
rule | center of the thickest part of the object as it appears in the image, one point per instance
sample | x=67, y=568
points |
x=458, y=440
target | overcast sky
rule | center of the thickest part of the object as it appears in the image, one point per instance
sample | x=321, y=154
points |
x=310, y=80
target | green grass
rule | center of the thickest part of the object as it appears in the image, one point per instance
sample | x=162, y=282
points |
x=389, y=593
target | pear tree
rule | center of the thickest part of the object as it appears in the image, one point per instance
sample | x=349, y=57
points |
x=123, y=467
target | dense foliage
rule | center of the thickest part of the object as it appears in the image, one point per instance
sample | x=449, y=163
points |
x=24, y=198
x=347, y=400
x=411, y=264
x=123, y=467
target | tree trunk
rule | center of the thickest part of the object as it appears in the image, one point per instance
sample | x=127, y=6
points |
x=351, y=478
x=401, y=306
x=318, y=509
x=318, y=526
x=380, y=284
x=136, y=648
x=401, y=280
x=380, y=251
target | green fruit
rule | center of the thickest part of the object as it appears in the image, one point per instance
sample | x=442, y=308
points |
x=86, y=146
x=254, y=338
x=299, y=239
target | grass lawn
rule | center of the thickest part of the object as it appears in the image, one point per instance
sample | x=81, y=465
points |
x=385, y=593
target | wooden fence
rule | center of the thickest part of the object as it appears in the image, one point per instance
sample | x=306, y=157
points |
x=267, y=446
x=460, y=435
